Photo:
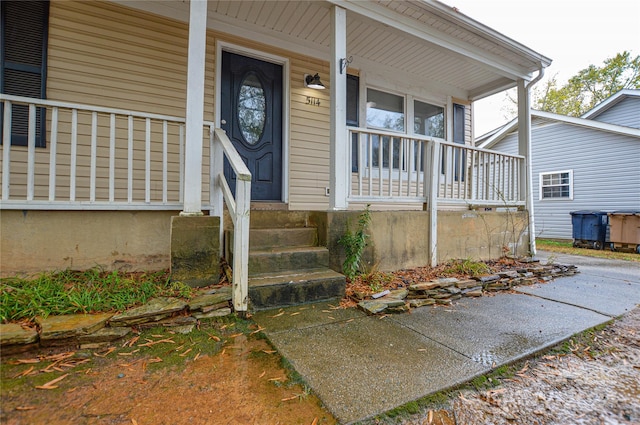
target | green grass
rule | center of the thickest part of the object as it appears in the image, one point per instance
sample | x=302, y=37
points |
x=564, y=247
x=89, y=291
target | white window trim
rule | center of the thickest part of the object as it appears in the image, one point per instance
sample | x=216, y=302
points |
x=541, y=186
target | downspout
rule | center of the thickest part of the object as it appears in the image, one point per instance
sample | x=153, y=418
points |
x=529, y=199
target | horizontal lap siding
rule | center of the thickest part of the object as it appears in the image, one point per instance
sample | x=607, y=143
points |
x=117, y=57
x=309, y=153
x=605, y=173
x=108, y=55
x=626, y=113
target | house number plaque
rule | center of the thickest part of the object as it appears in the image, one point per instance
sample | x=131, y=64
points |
x=313, y=101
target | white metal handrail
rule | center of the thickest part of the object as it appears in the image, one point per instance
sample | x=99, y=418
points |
x=396, y=167
x=94, y=158
x=239, y=208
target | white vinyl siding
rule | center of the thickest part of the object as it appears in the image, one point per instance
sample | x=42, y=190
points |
x=626, y=112
x=604, y=165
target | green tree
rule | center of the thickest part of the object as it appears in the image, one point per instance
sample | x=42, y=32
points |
x=589, y=86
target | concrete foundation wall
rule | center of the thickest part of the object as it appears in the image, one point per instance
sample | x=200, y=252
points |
x=400, y=239
x=37, y=241
x=481, y=235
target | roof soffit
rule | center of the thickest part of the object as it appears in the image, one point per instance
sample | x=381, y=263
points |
x=409, y=36
x=430, y=21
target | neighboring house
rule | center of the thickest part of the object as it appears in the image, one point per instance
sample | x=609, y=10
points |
x=136, y=132
x=587, y=163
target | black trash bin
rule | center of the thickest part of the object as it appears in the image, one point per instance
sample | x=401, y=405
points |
x=589, y=228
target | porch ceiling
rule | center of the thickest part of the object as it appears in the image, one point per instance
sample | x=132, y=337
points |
x=429, y=42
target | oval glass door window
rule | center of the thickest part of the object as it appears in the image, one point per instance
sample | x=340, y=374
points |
x=251, y=109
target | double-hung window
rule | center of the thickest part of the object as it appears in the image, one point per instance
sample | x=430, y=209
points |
x=556, y=185
x=385, y=111
x=428, y=120
x=23, y=63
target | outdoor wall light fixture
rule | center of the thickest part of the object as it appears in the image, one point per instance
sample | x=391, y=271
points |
x=313, y=82
x=344, y=62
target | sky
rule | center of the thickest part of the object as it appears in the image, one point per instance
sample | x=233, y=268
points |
x=573, y=33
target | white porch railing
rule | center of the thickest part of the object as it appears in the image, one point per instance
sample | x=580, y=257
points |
x=90, y=157
x=239, y=209
x=393, y=167
x=96, y=158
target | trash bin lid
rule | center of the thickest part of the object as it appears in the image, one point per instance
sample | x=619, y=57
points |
x=626, y=212
x=588, y=212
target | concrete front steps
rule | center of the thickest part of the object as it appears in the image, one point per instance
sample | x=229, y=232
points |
x=286, y=265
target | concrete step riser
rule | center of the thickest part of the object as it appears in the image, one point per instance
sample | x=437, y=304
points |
x=288, y=294
x=264, y=239
x=261, y=262
x=279, y=219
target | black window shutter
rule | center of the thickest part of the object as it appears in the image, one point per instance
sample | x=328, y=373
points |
x=23, y=53
x=353, y=105
x=458, y=123
x=458, y=137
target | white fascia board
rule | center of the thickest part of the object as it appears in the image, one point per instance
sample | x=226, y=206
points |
x=474, y=25
x=611, y=101
x=409, y=26
x=596, y=125
x=500, y=134
x=611, y=128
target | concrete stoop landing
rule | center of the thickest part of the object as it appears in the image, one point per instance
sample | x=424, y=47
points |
x=286, y=264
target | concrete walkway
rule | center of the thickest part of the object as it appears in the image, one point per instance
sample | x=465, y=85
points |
x=361, y=365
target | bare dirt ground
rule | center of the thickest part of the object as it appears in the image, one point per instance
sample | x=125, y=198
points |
x=592, y=379
x=242, y=383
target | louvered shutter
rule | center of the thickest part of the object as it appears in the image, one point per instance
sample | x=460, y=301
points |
x=23, y=68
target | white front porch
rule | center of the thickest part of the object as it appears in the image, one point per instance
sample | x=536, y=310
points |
x=107, y=158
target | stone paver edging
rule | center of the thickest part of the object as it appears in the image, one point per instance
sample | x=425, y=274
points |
x=97, y=330
x=443, y=291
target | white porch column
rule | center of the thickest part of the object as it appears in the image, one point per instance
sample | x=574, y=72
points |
x=195, y=108
x=524, y=149
x=434, y=189
x=339, y=147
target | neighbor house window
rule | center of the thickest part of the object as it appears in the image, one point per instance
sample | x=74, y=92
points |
x=23, y=63
x=556, y=185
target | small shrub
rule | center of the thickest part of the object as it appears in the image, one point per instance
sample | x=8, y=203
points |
x=467, y=267
x=354, y=244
